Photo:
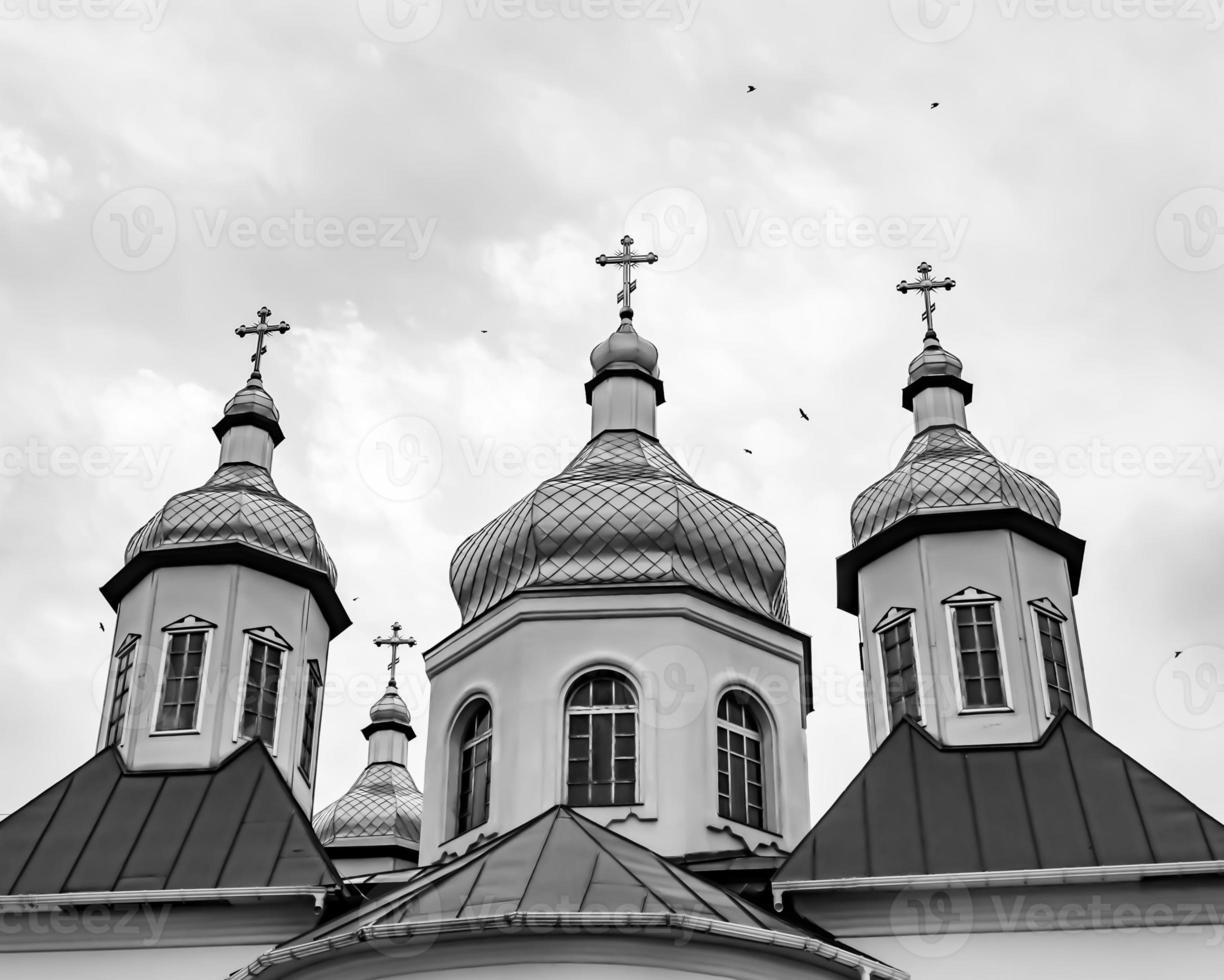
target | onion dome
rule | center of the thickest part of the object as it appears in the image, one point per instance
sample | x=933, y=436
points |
x=945, y=467
x=625, y=348
x=623, y=511
x=382, y=810
x=252, y=405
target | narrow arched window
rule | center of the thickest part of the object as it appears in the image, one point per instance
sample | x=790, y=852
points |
x=602, y=726
x=475, y=757
x=741, y=780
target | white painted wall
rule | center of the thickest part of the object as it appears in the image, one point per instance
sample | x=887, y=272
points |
x=183, y=963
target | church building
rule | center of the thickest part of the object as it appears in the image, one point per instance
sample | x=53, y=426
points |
x=574, y=816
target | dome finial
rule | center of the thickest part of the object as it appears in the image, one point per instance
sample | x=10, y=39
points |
x=394, y=641
x=925, y=284
x=626, y=259
x=261, y=330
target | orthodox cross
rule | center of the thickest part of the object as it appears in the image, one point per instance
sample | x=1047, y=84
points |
x=925, y=283
x=626, y=259
x=394, y=641
x=261, y=330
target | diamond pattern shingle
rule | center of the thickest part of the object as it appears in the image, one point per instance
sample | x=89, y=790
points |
x=239, y=503
x=384, y=802
x=946, y=466
x=623, y=511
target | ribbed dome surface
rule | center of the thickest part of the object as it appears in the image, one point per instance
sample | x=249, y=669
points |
x=384, y=802
x=253, y=398
x=945, y=466
x=239, y=503
x=623, y=511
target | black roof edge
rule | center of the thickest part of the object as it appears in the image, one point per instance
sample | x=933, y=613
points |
x=256, y=419
x=232, y=553
x=935, y=381
x=638, y=373
x=1005, y=519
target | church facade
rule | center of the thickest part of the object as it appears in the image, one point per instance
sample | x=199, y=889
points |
x=584, y=806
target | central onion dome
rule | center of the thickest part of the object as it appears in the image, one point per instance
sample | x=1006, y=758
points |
x=945, y=467
x=382, y=810
x=623, y=512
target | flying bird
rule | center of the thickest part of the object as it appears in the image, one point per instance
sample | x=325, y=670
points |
x=748, y=451
x=1176, y=654
x=934, y=105
x=751, y=88
x=484, y=331
x=804, y=415
x=356, y=597
x=101, y=627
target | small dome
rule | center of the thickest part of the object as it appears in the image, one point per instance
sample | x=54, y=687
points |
x=239, y=504
x=390, y=707
x=253, y=399
x=383, y=803
x=934, y=361
x=945, y=466
x=626, y=348
x=623, y=512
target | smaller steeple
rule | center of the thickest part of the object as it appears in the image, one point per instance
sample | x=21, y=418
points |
x=936, y=392
x=376, y=825
x=250, y=425
x=625, y=388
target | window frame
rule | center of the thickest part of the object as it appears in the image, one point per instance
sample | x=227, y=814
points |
x=308, y=749
x=891, y=620
x=189, y=624
x=124, y=673
x=459, y=746
x=763, y=736
x=1043, y=607
x=589, y=675
x=976, y=597
x=268, y=638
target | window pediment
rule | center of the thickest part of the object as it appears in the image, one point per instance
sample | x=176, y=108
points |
x=891, y=617
x=971, y=594
x=1046, y=605
x=189, y=623
x=268, y=634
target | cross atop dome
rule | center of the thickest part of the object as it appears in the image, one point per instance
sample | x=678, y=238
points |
x=626, y=259
x=924, y=283
x=261, y=331
x=394, y=641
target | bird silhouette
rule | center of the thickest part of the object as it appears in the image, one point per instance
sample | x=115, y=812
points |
x=748, y=451
x=484, y=331
x=101, y=627
x=751, y=88
x=934, y=105
x=804, y=415
x=356, y=597
x=1176, y=654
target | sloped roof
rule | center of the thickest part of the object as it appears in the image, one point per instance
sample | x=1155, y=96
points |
x=106, y=828
x=1070, y=800
x=561, y=862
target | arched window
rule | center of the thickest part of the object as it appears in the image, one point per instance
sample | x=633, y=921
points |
x=602, y=725
x=475, y=748
x=741, y=780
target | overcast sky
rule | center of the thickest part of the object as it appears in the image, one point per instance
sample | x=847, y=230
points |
x=394, y=181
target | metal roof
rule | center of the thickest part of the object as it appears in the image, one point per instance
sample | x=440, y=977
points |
x=623, y=511
x=106, y=828
x=1072, y=799
x=384, y=803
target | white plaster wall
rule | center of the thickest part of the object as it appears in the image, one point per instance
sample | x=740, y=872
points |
x=1114, y=954
x=184, y=963
x=524, y=657
x=236, y=598
x=923, y=572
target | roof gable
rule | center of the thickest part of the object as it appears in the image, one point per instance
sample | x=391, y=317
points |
x=106, y=828
x=1070, y=799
